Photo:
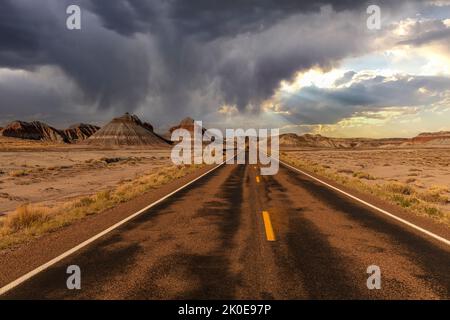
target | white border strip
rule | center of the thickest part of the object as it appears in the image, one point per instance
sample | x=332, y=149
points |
x=428, y=233
x=34, y=272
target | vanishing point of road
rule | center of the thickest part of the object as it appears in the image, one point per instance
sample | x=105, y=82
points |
x=234, y=234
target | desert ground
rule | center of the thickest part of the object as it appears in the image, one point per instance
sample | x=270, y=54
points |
x=417, y=179
x=31, y=172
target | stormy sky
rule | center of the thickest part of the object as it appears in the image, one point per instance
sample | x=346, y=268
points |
x=303, y=66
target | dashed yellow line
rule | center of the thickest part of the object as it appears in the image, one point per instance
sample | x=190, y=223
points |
x=268, y=226
x=257, y=179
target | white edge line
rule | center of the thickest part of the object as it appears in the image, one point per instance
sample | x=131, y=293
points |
x=412, y=225
x=41, y=268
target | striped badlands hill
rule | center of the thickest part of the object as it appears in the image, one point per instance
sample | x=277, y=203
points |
x=41, y=131
x=432, y=138
x=80, y=131
x=127, y=130
x=187, y=123
x=34, y=130
x=292, y=140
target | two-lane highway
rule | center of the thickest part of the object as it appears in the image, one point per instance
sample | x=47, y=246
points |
x=235, y=234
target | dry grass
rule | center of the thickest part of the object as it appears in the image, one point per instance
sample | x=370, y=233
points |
x=25, y=217
x=435, y=195
x=402, y=194
x=8, y=143
x=30, y=221
x=364, y=175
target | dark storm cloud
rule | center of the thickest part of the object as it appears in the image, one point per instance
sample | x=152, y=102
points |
x=222, y=46
x=171, y=58
x=17, y=105
x=313, y=105
x=205, y=18
x=110, y=69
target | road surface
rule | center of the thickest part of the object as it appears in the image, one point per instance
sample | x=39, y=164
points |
x=236, y=235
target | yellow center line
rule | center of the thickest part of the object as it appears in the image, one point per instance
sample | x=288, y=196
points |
x=257, y=179
x=268, y=226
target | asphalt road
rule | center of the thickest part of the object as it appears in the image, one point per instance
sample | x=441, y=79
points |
x=212, y=241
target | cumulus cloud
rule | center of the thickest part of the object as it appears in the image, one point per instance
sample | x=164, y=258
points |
x=348, y=76
x=367, y=96
x=425, y=32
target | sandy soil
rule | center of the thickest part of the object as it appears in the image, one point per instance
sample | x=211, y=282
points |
x=54, y=173
x=423, y=169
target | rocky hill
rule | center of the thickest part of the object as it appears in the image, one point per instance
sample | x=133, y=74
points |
x=41, y=131
x=34, y=130
x=187, y=123
x=127, y=130
x=80, y=131
x=432, y=138
x=292, y=140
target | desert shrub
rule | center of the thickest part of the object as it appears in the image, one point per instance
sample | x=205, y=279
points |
x=103, y=195
x=399, y=188
x=363, y=175
x=404, y=201
x=83, y=202
x=434, y=194
x=26, y=217
x=348, y=171
x=432, y=211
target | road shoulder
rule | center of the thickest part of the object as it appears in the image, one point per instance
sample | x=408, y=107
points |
x=424, y=222
x=19, y=260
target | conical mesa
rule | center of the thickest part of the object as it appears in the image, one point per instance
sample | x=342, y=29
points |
x=127, y=130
